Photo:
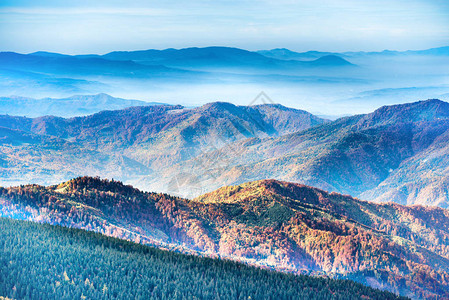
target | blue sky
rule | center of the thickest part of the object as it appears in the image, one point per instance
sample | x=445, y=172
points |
x=77, y=26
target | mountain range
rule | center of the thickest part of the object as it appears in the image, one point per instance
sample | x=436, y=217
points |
x=204, y=58
x=280, y=225
x=70, y=65
x=226, y=181
x=397, y=153
x=138, y=141
x=348, y=81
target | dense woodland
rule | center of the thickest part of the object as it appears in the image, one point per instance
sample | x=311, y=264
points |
x=41, y=261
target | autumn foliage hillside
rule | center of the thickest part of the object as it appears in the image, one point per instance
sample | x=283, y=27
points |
x=279, y=225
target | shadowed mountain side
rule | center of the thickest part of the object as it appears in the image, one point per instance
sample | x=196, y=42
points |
x=28, y=157
x=422, y=179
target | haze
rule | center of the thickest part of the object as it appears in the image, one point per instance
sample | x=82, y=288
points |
x=76, y=27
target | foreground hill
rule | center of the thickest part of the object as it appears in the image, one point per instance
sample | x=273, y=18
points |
x=67, y=263
x=147, y=138
x=289, y=227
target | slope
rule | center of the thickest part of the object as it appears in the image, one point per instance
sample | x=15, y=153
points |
x=356, y=154
x=158, y=136
x=68, y=263
x=279, y=225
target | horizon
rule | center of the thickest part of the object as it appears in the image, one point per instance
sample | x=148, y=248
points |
x=231, y=47
x=346, y=28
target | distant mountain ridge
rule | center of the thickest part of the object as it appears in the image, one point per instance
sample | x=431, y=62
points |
x=283, y=53
x=332, y=60
x=214, y=56
x=72, y=65
x=201, y=74
x=286, y=226
x=153, y=74
x=77, y=105
x=207, y=57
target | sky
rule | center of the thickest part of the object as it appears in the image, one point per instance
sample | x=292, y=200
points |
x=78, y=27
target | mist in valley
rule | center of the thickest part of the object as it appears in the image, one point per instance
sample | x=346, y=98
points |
x=366, y=82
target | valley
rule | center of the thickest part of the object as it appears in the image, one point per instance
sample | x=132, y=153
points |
x=396, y=153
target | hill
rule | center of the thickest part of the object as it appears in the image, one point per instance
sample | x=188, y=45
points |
x=331, y=60
x=395, y=153
x=280, y=225
x=70, y=263
x=150, y=138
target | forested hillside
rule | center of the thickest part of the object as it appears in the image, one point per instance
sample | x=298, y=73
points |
x=137, y=144
x=397, y=153
x=41, y=261
x=280, y=225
